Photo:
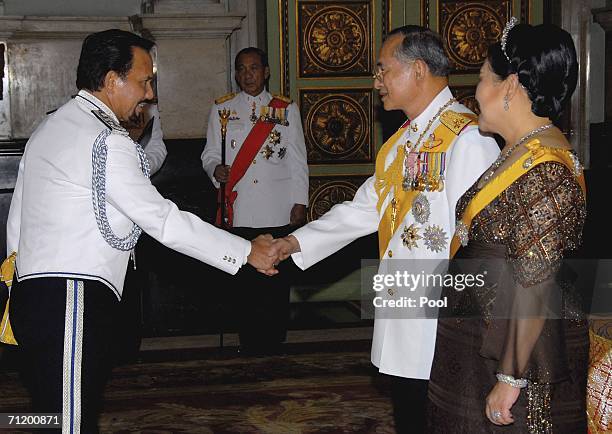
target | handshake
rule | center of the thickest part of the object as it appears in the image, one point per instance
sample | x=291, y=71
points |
x=267, y=252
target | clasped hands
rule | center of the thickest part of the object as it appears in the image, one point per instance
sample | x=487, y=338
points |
x=267, y=252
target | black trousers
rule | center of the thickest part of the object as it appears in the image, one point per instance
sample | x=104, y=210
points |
x=262, y=301
x=409, y=398
x=64, y=330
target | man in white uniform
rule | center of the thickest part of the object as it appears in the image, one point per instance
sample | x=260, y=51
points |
x=266, y=191
x=421, y=172
x=81, y=199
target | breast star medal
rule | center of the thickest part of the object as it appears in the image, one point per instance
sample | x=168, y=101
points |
x=274, y=138
x=435, y=238
x=410, y=236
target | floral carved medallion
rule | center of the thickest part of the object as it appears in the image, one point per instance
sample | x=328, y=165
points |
x=326, y=192
x=337, y=125
x=468, y=28
x=334, y=39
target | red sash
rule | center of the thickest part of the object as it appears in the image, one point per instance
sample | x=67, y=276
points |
x=249, y=149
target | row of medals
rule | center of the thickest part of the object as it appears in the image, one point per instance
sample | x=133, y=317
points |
x=276, y=116
x=424, y=171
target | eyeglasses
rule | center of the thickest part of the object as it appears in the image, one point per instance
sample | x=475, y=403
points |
x=379, y=74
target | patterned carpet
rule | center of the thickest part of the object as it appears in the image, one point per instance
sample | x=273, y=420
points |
x=333, y=389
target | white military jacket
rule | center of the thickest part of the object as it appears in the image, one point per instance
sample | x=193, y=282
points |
x=403, y=347
x=51, y=222
x=278, y=177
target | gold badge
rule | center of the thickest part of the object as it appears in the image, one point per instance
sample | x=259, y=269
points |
x=410, y=236
x=274, y=138
x=267, y=152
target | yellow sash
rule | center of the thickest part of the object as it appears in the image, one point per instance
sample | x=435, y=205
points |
x=7, y=269
x=441, y=139
x=537, y=154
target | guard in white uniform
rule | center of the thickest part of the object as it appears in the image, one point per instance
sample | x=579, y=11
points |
x=81, y=200
x=267, y=190
x=421, y=172
x=277, y=179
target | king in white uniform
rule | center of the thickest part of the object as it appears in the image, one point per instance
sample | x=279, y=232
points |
x=410, y=163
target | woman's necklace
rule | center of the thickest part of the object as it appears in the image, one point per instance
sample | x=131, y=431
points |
x=504, y=155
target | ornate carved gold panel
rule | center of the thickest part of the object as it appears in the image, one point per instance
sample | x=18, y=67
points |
x=466, y=95
x=326, y=191
x=337, y=125
x=469, y=27
x=334, y=38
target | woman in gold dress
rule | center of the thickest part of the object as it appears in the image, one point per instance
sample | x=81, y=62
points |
x=512, y=355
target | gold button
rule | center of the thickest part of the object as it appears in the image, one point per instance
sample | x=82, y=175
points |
x=390, y=291
x=255, y=181
x=390, y=253
x=254, y=161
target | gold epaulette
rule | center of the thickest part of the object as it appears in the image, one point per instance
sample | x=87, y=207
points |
x=456, y=122
x=225, y=98
x=282, y=98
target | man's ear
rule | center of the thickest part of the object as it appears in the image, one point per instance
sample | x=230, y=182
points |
x=267, y=72
x=420, y=69
x=110, y=81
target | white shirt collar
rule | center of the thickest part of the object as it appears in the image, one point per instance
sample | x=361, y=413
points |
x=421, y=121
x=86, y=97
x=262, y=98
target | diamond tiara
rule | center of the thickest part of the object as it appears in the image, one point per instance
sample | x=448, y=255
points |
x=509, y=25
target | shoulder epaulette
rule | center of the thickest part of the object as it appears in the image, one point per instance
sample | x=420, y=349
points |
x=110, y=123
x=283, y=98
x=456, y=121
x=225, y=98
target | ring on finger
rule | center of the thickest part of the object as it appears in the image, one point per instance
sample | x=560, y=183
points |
x=496, y=414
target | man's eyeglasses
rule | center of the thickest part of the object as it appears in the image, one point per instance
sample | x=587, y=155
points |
x=379, y=74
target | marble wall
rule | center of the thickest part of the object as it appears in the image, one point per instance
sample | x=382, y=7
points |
x=196, y=41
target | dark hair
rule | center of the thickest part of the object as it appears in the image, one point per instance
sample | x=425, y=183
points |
x=422, y=43
x=544, y=58
x=253, y=50
x=110, y=50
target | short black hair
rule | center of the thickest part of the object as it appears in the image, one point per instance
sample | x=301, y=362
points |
x=110, y=50
x=421, y=43
x=253, y=50
x=544, y=59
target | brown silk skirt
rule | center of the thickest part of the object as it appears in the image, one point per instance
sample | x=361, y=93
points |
x=461, y=378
